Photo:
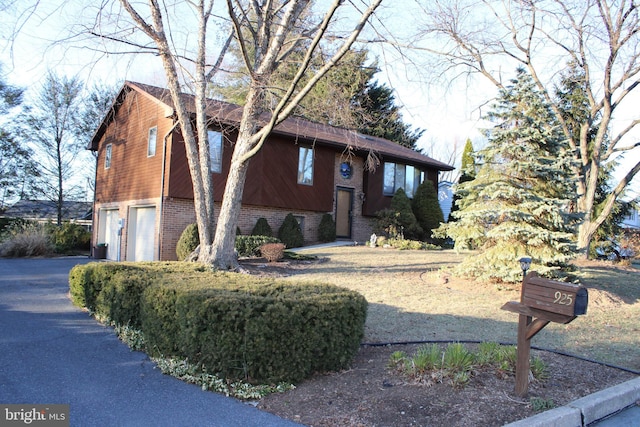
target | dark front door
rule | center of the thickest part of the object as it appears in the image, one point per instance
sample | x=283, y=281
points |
x=344, y=202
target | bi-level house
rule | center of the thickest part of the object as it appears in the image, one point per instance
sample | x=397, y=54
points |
x=144, y=195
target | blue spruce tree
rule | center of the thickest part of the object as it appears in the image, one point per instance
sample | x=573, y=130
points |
x=520, y=200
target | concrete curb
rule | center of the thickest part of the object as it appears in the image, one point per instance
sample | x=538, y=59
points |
x=587, y=410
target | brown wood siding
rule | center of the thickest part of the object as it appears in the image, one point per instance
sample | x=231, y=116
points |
x=180, y=184
x=179, y=181
x=271, y=177
x=132, y=175
x=374, y=200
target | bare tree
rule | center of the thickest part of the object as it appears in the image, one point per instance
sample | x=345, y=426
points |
x=598, y=36
x=266, y=32
x=49, y=127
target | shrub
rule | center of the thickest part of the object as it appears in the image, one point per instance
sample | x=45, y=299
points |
x=262, y=332
x=250, y=245
x=245, y=245
x=387, y=224
x=401, y=204
x=114, y=290
x=327, y=229
x=69, y=237
x=426, y=208
x=262, y=228
x=188, y=241
x=272, y=251
x=290, y=233
x=238, y=326
x=7, y=224
x=25, y=239
x=398, y=221
x=404, y=244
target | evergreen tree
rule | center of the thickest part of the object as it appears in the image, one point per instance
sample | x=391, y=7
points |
x=426, y=208
x=467, y=173
x=518, y=203
x=381, y=116
x=468, y=163
x=571, y=95
x=409, y=226
x=262, y=228
x=290, y=233
x=348, y=97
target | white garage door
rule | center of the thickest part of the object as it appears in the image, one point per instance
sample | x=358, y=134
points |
x=141, y=245
x=108, y=231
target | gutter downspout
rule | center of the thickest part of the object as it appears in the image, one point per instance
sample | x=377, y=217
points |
x=162, y=184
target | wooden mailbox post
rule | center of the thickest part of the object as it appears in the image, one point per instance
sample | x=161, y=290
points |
x=546, y=301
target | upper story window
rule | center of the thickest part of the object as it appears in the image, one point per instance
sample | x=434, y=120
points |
x=107, y=156
x=151, y=141
x=401, y=176
x=215, y=150
x=305, y=166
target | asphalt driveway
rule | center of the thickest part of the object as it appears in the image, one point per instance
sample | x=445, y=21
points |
x=53, y=353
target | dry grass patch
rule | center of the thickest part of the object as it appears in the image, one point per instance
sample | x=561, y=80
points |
x=412, y=297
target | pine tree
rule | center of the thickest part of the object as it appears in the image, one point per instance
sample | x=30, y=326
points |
x=518, y=203
x=348, y=97
x=467, y=173
x=380, y=116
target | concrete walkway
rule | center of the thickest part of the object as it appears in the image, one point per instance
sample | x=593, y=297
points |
x=53, y=353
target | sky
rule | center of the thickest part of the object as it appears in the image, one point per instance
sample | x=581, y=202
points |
x=449, y=115
x=446, y=118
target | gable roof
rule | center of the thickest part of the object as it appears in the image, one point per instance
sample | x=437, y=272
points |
x=228, y=114
x=47, y=209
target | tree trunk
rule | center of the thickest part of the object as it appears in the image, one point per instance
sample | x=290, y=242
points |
x=222, y=253
x=585, y=234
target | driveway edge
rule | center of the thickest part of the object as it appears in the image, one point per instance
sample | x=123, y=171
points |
x=588, y=409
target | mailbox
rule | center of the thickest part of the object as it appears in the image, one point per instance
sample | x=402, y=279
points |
x=555, y=297
x=547, y=301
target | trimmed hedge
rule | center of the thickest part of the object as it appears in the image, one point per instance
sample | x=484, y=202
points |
x=237, y=326
x=250, y=245
x=114, y=290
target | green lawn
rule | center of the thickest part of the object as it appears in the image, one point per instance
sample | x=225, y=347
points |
x=411, y=298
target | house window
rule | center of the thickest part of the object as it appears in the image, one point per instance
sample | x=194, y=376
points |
x=401, y=176
x=107, y=156
x=305, y=166
x=215, y=150
x=151, y=141
x=389, y=178
x=410, y=179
